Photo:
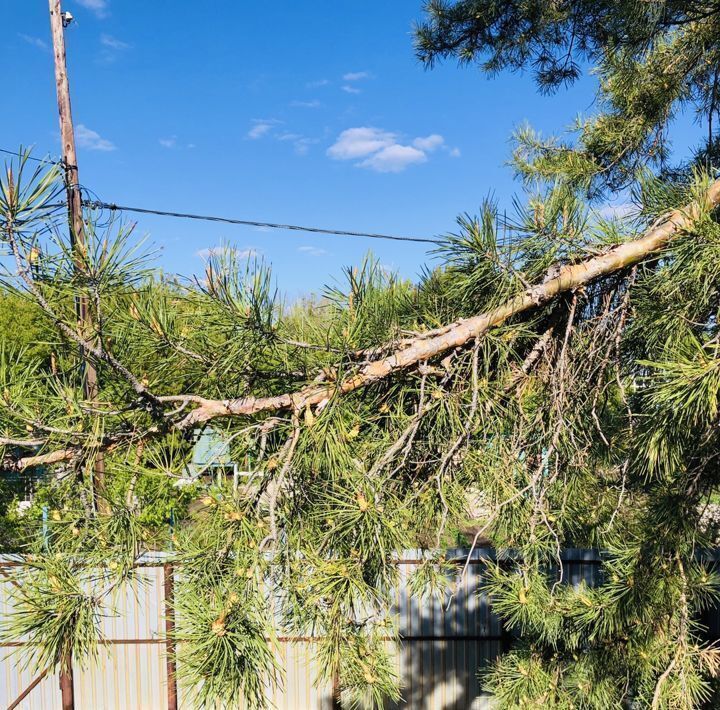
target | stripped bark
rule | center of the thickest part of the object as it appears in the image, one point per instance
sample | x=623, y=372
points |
x=569, y=278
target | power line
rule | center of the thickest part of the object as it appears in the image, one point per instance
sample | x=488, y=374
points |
x=98, y=204
x=45, y=161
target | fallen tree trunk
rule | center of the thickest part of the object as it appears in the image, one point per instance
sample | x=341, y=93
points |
x=430, y=345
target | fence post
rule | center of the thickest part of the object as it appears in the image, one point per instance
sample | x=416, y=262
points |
x=67, y=689
x=169, y=640
x=336, y=698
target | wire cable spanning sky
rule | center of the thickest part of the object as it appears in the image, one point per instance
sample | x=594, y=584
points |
x=95, y=204
x=100, y=205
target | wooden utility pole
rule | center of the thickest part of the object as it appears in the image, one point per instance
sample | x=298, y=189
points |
x=67, y=683
x=58, y=22
x=96, y=474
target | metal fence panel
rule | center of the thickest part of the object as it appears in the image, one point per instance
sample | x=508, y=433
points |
x=438, y=659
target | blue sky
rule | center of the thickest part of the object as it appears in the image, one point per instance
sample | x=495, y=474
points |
x=296, y=112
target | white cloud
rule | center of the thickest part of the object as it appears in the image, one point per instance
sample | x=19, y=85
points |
x=99, y=7
x=92, y=140
x=317, y=84
x=394, y=159
x=312, y=251
x=260, y=128
x=250, y=253
x=306, y=104
x=34, y=41
x=300, y=143
x=247, y=253
x=356, y=76
x=429, y=143
x=172, y=142
x=350, y=89
x=455, y=152
x=360, y=142
x=381, y=150
x=113, y=42
x=265, y=127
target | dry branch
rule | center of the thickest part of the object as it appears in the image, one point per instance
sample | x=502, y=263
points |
x=569, y=278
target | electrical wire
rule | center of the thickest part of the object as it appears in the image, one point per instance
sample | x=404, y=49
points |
x=45, y=161
x=98, y=204
x=102, y=218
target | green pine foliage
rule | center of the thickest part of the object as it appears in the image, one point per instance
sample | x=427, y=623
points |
x=647, y=410
x=653, y=59
x=590, y=420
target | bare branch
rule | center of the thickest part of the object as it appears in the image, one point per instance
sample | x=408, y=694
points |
x=23, y=443
x=569, y=278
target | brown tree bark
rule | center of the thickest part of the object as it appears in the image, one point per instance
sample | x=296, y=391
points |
x=423, y=348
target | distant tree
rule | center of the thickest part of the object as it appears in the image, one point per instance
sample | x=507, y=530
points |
x=24, y=327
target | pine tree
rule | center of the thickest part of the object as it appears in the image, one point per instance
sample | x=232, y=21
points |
x=553, y=383
x=636, y=638
x=653, y=60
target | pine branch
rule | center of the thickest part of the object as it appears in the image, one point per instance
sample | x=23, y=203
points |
x=569, y=278
x=21, y=443
x=415, y=351
x=93, y=350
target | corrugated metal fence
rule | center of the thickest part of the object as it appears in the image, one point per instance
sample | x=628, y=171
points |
x=437, y=661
